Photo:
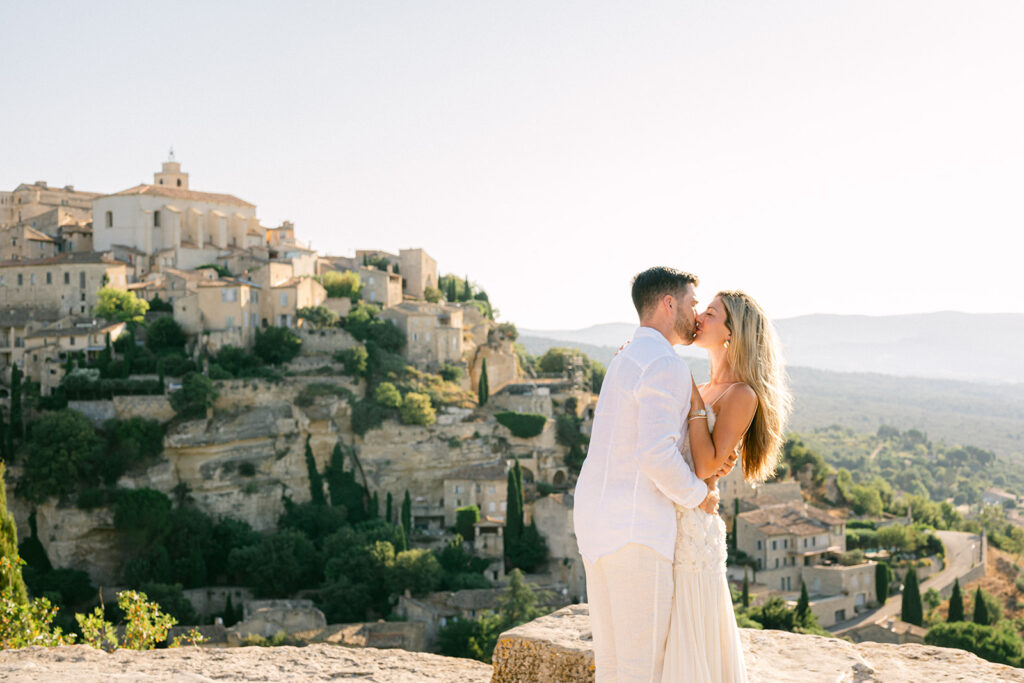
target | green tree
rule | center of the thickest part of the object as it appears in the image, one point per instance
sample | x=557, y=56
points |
x=519, y=603
x=10, y=572
x=983, y=613
x=116, y=304
x=318, y=316
x=387, y=395
x=60, y=452
x=342, y=284
x=451, y=295
x=483, y=387
x=195, y=397
x=355, y=361
x=417, y=410
x=164, y=334
x=803, y=605
x=16, y=428
x=513, y=509
x=956, y=603
x=276, y=345
x=343, y=488
x=912, y=610
x=407, y=514
x=432, y=294
x=278, y=565
x=883, y=577
x=388, y=505
x=1000, y=643
x=745, y=599
x=316, y=482
x=465, y=521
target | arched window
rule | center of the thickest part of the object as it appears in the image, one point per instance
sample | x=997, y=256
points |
x=179, y=182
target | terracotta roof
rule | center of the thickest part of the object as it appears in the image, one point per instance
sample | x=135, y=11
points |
x=83, y=257
x=97, y=326
x=37, y=235
x=791, y=518
x=21, y=316
x=489, y=471
x=179, y=193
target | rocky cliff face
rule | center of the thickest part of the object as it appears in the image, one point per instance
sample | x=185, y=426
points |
x=558, y=648
x=245, y=459
x=552, y=649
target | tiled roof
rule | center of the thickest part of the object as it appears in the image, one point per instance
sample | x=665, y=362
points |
x=21, y=316
x=77, y=257
x=489, y=471
x=37, y=235
x=792, y=518
x=179, y=193
x=97, y=326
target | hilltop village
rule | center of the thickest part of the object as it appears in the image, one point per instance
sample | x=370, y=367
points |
x=189, y=394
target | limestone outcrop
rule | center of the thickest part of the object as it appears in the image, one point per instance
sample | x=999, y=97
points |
x=83, y=664
x=558, y=647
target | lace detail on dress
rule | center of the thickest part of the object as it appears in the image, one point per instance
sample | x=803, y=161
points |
x=700, y=537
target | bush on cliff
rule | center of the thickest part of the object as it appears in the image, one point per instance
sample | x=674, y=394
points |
x=417, y=410
x=195, y=397
x=278, y=565
x=60, y=451
x=1000, y=643
x=276, y=345
x=522, y=425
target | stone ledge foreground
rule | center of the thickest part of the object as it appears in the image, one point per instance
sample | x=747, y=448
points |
x=558, y=648
x=83, y=664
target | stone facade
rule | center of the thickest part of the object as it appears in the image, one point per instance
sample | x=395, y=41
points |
x=433, y=332
x=68, y=283
x=484, y=486
x=31, y=200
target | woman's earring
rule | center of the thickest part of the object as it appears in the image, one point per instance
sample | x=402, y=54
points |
x=726, y=344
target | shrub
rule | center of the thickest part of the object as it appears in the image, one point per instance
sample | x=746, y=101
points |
x=61, y=451
x=338, y=284
x=465, y=519
x=117, y=304
x=354, y=359
x=195, y=397
x=417, y=410
x=451, y=373
x=318, y=316
x=177, y=365
x=276, y=345
x=387, y=395
x=171, y=598
x=522, y=425
x=1001, y=644
x=278, y=565
x=164, y=334
x=367, y=414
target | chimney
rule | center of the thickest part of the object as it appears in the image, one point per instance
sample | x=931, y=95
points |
x=41, y=183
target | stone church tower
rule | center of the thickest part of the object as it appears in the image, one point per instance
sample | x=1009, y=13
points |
x=171, y=174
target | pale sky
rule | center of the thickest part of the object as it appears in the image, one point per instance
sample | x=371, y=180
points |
x=839, y=157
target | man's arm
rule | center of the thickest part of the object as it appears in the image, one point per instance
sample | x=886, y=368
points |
x=663, y=399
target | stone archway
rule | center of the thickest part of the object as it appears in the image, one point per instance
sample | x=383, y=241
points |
x=559, y=479
x=528, y=476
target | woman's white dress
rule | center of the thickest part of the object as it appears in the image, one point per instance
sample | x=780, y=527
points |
x=703, y=641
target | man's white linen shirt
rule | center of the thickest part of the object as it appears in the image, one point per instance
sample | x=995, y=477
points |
x=634, y=473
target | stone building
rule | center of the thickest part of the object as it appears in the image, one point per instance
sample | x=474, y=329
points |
x=484, y=486
x=46, y=349
x=22, y=242
x=16, y=324
x=173, y=225
x=284, y=293
x=553, y=516
x=417, y=269
x=226, y=311
x=68, y=283
x=794, y=542
x=31, y=201
x=380, y=286
x=433, y=332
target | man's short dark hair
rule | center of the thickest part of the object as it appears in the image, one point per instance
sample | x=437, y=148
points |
x=654, y=283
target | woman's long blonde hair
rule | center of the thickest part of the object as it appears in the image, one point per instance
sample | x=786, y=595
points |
x=757, y=360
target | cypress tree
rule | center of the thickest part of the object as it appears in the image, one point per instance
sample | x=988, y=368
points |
x=403, y=541
x=981, y=615
x=745, y=596
x=483, y=390
x=160, y=372
x=387, y=508
x=912, y=611
x=513, y=510
x=735, y=515
x=883, y=574
x=956, y=603
x=10, y=575
x=15, y=429
x=452, y=294
x=803, y=605
x=374, y=506
x=316, y=482
x=407, y=514
x=467, y=293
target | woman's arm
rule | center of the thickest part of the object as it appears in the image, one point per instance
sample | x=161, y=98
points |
x=733, y=416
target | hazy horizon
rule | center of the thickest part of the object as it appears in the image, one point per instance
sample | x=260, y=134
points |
x=844, y=158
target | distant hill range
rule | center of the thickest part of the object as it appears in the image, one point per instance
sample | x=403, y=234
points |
x=962, y=346
x=857, y=371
